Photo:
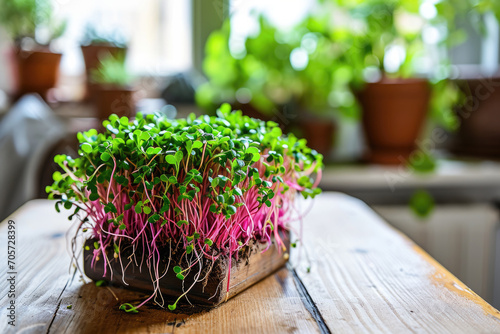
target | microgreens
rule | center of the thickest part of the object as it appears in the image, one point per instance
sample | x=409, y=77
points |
x=209, y=184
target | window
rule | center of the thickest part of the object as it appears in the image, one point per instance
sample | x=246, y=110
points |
x=158, y=32
x=283, y=14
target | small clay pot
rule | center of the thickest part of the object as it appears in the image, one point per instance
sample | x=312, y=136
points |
x=37, y=71
x=479, y=132
x=394, y=111
x=91, y=57
x=114, y=100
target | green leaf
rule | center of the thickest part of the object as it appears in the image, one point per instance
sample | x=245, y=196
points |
x=422, y=203
x=197, y=144
x=182, y=222
x=105, y=156
x=177, y=269
x=153, y=150
x=110, y=207
x=87, y=148
x=253, y=150
x=213, y=208
x=231, y=209
x=208, y=242
x=215, y=182
x=238, y=191
x=165, y=208
x=124, y=121
x=146, y=210
x=178, y=156
x=255, y=157
x=94, y=197
x=170, y=159
x=154, y=218
x=138, y=207
x=189, y=146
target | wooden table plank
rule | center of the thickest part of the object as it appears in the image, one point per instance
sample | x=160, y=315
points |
x=45, y=288
x=367, y=277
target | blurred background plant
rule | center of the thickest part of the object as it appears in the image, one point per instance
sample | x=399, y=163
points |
x=405, y=39
x=114, y=93
x=98, y=44
x=273, y=68
x=31, y=21
x=320, y=66
x=112, y=71
x=34, y=30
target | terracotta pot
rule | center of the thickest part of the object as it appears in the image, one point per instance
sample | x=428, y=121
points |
x=37, y=72
x=113, y=100
x=394, y=111
x=91, y=54
x=479, y=132
x=319, y=134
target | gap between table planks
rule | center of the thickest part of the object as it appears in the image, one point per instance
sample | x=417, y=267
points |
x=364, y=277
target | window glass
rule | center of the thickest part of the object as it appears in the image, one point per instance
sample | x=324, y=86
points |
x=158, y=32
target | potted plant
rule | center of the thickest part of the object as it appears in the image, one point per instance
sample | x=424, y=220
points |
x=95, y=45
x=479, y=116
x=113, y=90
x=383, y=43
x=177, y=207
x=268, y=77
x=33, y=29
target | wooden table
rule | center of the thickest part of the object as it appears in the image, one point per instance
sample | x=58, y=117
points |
x=364, y=277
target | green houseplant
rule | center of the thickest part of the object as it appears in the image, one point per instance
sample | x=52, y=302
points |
x=479, y=132
x=113, y=89
x=199, y=190
x=363, y=58
x=386, y=53
x=33, y=29
x=95, y=45
x=268, y=77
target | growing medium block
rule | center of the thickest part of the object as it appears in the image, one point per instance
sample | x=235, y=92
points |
x=253, y=265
